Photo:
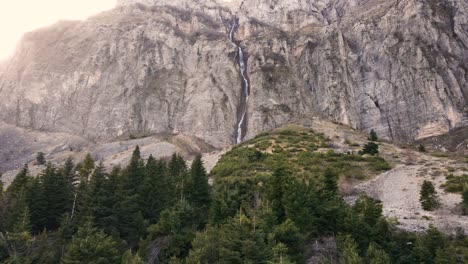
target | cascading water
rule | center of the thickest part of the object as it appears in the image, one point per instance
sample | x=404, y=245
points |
x=245, y=86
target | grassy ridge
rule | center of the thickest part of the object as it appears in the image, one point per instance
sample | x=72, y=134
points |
x=306, y=154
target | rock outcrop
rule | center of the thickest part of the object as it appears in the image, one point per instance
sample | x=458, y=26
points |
x=168, y=67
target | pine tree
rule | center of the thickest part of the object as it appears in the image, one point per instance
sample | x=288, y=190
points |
x=276, y=191
x=58, y=196
x=198, y=191
x=280, y=254
x=91, y=246
x=128, y=210
x=129, y=258
x=37, y=205
x=177, y=173
x=235, y=241
x=177, y=166
x=80, y=209
x=68, y=171
x=19, y=240
x=23, y=225
x=370, y=148
x=135, y=172
x=40, y=158
x=15, y=199
x=157, y=192
x=87, y=168
x=465, y=200
x=20, y=181
x=330, y=182
x=301, y=205
x=348, y=251
x=428, y=196
x=288, y=233
x=373, y=136
x=377, y=256
x=364, y=222
x=101, y=200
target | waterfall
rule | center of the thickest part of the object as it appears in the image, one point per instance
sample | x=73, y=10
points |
x=241, y=60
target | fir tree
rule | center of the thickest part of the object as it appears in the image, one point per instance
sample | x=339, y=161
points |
x=277, y=190
x=128, y=211
x=91, y=246
x=375, y=255
x=57, y=194
x=135, y=172
x=235, y=241
x=177, y=172
x=465, y=200
x=129, y=258
x=288, y=233
x=330, y=182
x=428, y=196
x=68, y=171
x=19, y=240
x=371, y=148
x=87, y=168
x=177, y=166
x=349, y=253
x=80, y=209
x=157, y=192
x=373, y=136
x=16, y=199
x=20, y=181
x=198, y=191
x=280, y=254
x=101, y=200
x=301, y=205
x=37, y=204
x=40, y=158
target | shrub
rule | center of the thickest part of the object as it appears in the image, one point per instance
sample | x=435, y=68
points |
x=380, y=164
x=371, y=148
x=421, y=148
x=456, y=184
x=40, y=158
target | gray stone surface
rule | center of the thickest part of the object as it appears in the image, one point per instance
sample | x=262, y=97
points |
x=167, y=67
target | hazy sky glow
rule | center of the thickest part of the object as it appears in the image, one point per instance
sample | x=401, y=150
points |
x=20, y=16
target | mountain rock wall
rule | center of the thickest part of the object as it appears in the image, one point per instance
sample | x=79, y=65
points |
x=168, y=67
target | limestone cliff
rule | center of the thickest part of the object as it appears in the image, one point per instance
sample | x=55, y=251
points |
x=168, y=67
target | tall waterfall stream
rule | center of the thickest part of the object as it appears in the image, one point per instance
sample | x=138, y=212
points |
x=241, y=59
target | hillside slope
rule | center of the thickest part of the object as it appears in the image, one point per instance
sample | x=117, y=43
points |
x=395, y=178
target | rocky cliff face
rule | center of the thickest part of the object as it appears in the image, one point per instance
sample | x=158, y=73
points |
x=166, y=67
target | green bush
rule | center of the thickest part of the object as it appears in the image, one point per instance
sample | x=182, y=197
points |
x=371, y=148
x=379, y=164
x=455, y=184
x=421, y=148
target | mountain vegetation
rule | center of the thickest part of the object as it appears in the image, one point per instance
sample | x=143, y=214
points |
x=273, y=199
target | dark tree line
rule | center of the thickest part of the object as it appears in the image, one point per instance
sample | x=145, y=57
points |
x=63, y=214
x=158, y=211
